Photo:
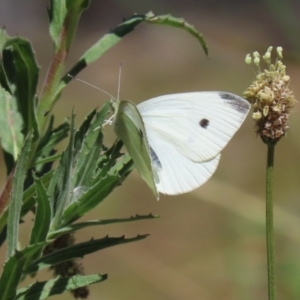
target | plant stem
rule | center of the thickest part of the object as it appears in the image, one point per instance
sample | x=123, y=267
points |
x=269, y=222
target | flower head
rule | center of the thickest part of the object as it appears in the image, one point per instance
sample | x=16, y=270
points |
x=271, y=97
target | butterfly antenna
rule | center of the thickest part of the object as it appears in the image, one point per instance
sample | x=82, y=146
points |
x=91, y=85
x=119, y=81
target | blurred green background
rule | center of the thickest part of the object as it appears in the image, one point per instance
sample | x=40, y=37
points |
x=209, y=244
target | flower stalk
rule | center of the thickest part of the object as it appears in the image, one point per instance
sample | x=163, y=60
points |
x=272, y=101
x=270, y=222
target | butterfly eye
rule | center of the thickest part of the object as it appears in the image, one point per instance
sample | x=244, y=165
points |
x=204, y=123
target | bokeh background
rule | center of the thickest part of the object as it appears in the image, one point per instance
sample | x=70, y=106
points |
x=209, y=244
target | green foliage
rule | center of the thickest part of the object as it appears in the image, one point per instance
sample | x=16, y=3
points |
x=45, y=289
x=84, y=174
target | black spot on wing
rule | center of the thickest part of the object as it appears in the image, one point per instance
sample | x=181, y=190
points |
x=239, y=104
x=204, y=123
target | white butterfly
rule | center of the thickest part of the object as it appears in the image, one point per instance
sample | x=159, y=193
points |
x=186, y=133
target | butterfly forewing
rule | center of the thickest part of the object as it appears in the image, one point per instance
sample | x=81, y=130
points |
x=179, y=118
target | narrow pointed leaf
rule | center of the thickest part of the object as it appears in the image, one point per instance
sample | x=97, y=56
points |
x=17, y=197
x=60, y=188
x=88, y=146
x=79, y=250
x=116, y=34
x=12, y=271
x=77, y=226
x=42, y=219
x=169, y=20
x=104, y=44
x=56, y=286
x=47, y=144
x=42, y=216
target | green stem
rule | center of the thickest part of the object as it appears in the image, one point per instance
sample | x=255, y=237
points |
x=269, y=222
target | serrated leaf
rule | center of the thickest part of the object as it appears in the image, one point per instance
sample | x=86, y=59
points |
x=60, y=188
x=22, y=74
x=28, y=196
x=79, y=250
x=49, y=141
x=169, y=20
x=97, y=193
x=11, y=124
x=74, y=227
x=88, y=145
x=58, y=285
x=17, y=197
x=108, y=159
x=12, y=271
x=83, y=129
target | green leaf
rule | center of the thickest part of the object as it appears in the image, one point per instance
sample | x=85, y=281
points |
x=58, y=285
x=88, y=145
x=97, y=193
x=28, y=200
x=11, y=124
x=169, y=20
x=75, y=9
x=12, y=271
x=74, y=227
x=98, y=49
x=79, y=250
x=42, y=216
x=64, y=16
x=22, y=74
x=17, y=197
x=108, y=159
x=83, y=129
x=57, y=13
x=129, y=127
x=50, y=140
x=60, y=188
x=42, y=219
x=115, y=35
